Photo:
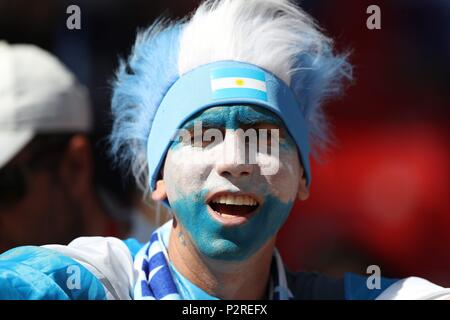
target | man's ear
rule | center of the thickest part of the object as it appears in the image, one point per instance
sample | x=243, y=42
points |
x=76, y=167
x=160, y=193
x=303, y=190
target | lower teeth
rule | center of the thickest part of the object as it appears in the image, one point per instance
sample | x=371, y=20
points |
x=232, y=210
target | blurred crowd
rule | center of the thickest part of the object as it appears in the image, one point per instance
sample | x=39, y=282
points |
x=379, y=196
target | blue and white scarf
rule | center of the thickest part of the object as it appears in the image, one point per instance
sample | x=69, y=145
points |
x=155, y=279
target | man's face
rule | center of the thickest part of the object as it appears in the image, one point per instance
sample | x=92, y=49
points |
x=34, y=208
x=229, y=202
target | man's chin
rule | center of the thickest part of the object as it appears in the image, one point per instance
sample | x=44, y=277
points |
x=226, y=250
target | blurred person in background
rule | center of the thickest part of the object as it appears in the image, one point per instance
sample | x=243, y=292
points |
x=49, y=190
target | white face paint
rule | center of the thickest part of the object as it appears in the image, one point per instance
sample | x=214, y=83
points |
x=194, y=175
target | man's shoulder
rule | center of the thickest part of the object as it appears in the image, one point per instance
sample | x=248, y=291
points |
x=315, y=286
x=109, y=259
x=101, y=265
x=351, y=286
x=38, y=273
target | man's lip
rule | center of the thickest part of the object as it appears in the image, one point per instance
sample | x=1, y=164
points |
x=211, y=196
x=232, y=220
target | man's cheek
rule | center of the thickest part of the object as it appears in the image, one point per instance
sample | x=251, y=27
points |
x=184, y=171
x=284, y=183
x=269, y=165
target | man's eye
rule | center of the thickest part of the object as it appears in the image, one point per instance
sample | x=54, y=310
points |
x=268, y=139
x=206, y=137
x=265, y=136
x=199, y=141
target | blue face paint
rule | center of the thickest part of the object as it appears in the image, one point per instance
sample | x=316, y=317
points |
x=188, y=184
x=238, y=243
x=234, y=117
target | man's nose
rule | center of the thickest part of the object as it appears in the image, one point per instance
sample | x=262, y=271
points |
x=234, y=162
x=234, y=170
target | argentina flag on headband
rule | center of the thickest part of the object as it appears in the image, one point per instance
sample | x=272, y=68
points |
x=228, y=83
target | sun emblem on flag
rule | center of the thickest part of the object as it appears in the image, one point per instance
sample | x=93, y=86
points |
x=228, y=83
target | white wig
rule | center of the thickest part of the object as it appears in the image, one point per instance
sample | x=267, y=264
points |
x=273, y=34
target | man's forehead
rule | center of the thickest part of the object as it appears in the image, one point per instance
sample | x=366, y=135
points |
x=234, y=116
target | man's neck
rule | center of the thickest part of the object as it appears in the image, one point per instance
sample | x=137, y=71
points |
x=246, y=279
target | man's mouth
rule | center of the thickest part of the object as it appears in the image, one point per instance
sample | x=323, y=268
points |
x=233, y=208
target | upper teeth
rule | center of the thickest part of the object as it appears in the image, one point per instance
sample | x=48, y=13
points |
x=236, y=200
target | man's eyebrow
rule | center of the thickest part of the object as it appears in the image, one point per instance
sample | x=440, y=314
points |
x=258, y=118
x=220, y=119
x=206, y=123
x=209, y=120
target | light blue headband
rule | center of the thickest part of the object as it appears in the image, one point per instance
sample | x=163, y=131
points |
x=209, y=85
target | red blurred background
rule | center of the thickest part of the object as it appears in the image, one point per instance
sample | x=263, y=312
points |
x=380, y=195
